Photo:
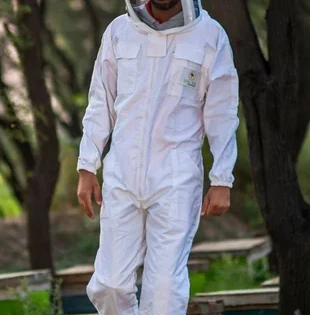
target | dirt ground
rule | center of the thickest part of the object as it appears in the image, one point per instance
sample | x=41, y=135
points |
x=75, y=238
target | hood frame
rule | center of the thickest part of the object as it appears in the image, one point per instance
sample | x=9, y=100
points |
x=192, y=9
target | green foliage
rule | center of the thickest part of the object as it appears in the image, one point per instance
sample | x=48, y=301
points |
x=28, y=302
x=228, y=273
x=198, y=283
x=80, y=101
x=8, y=205
x=11, y=307
x=260, y=270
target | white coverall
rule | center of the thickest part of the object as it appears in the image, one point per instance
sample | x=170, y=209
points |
x=159, y=92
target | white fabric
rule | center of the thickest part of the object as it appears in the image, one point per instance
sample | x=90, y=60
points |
x=159, y=92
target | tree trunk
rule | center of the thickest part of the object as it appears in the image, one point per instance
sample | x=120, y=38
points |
x=42, y=181
x=269, y=93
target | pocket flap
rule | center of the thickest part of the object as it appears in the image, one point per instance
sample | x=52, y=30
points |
x=190, y=52
x=127, y=50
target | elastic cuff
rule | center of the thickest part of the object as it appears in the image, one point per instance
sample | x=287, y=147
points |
x=219, y=183
x=87, y=167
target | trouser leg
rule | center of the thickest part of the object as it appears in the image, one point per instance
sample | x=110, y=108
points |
x=112, y=288
x=165, y=283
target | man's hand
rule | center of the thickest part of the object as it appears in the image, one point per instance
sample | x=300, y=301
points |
x=216, y=201
x=88, y=185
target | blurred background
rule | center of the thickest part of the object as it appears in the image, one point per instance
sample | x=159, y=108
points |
x=41, y=225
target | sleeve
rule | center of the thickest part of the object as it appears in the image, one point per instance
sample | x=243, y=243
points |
x=99, y=118
x=220, y=113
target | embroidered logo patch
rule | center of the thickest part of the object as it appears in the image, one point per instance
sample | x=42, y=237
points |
x=190, y=78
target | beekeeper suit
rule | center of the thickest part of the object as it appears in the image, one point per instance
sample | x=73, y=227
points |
x=160, y=89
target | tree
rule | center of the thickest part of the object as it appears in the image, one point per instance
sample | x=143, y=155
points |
x=67, y=76
x=275, y=97
x=42, y=181
x=29, y=153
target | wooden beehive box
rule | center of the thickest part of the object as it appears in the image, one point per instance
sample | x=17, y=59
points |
x=256, y=300
x=251, y=248
x=206, y=308
x=274, y=282
x=73, y=289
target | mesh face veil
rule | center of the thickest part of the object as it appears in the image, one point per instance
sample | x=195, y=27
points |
x=165, y=5
x=135, y=3
x=191, y=8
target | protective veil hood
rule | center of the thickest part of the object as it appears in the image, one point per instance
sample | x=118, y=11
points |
x=191, y=9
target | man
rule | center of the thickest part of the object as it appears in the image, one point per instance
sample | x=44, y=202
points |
x=163, y=78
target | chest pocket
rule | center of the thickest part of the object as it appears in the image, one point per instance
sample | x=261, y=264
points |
x=127, y=63
x=186, y=79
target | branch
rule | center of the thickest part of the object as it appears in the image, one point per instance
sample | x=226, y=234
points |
x=95, y=23
x=67, y=64
x=11, y=119
x=49, y=35
x=73, y=128
x=107, y=18
x=96, y=33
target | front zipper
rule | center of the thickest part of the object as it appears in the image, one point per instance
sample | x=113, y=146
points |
x=141, y=169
